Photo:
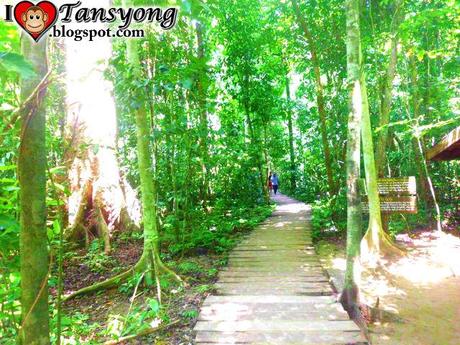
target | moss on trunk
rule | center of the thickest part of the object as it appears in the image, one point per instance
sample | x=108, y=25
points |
x=32, y=181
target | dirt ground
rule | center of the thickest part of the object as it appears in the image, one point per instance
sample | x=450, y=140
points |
x=419, y=292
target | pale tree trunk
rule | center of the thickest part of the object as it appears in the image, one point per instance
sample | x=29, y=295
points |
x=384, y=120
x=291, y=138
x=319, y=96
x=101, y=200
x=375, y=242
x=350, y=293
x=150, y=263
x=33, y=245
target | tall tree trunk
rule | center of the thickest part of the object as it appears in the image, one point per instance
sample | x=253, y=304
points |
x=350, y=294
x=427, y=190
x=151, y=251
x=202, y=94
x=319, y=96
x=150, y=262
x=383, y=135
x=375, y=241
x=291, y=138
x=101, y=200
x=255, y=148
x=32, y=182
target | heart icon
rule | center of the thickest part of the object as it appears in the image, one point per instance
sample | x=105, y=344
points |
x=36, y=20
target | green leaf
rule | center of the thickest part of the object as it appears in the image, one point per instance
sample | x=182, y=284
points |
x=187, y=83
x=7, y=167
x=13, y=62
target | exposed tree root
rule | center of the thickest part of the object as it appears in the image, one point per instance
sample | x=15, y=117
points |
x=349, y=299
x=146, y=263
x=142, y=333
x=109, y=283
x=78, y=228
x=378, y=244
x=101, y=225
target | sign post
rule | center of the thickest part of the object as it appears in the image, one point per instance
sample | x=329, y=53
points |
x=397, y=195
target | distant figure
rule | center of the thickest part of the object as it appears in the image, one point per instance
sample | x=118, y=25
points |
x=274, y=180
x=270, y=186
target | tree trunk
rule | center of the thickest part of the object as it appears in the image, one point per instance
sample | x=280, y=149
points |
x=427, y=189
x=382, y=138
x=150, y=262
x=319, y=96
x=257, y=151
x=202, y=94
x=291, y=138
x=32, y=182
x=375, y=241
x=101, y=200
x=151, y=253
x=350, y=294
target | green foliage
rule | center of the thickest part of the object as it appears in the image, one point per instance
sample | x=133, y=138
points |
x=188, y=267
x=138, y=319
x=13, y=62
x=75, y=328
x=130, y=284
x=9, y=258
x=190, y=314
x=95, y=258
x=203, y=288
x=327, y=219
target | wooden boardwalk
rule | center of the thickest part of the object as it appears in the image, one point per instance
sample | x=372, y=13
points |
x=274, y=290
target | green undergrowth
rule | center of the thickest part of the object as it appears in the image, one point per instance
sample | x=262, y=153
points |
x=196, y=255
x=197, y=261
x=328, y=215
x=214, y=232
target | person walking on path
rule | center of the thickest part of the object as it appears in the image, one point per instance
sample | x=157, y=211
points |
x=275, y=181
x=270, y=186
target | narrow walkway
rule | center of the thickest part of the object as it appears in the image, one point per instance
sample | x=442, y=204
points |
x=274, y=290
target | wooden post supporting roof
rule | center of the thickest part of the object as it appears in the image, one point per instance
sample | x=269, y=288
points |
x=447, y=149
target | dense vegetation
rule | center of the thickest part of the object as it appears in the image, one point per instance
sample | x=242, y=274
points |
x=166, y=142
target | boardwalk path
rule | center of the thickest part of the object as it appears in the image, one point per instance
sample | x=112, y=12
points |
x=274, y=290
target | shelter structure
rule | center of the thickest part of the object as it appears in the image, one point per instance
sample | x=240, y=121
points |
x=447, y=149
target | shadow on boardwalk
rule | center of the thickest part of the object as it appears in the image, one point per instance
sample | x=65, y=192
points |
x=274, y=290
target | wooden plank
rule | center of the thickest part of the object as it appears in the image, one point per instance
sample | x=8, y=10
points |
x=292, y=270
x=447, y=149
x=296, y=288
x=274, y=257
x=269, y=312
x=272, y=275
x=265, y=247
x=280, y=264
x=287, y=278
x=281, y=338
x=270, y=299
x=274, y=308
x=285, y=292
x=266, y=325
x=267, y=251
